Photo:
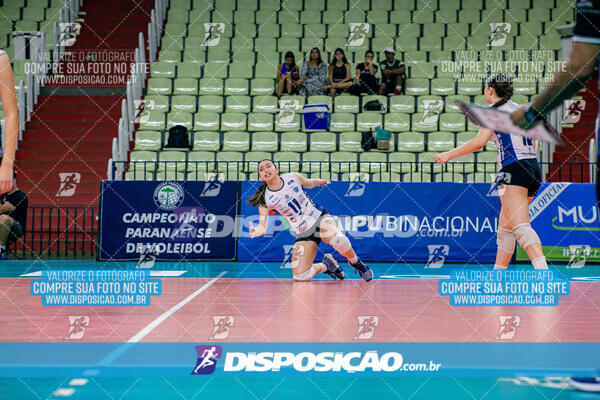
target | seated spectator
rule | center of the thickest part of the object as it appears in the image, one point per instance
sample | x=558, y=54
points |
x=339, y=74
x=365, y=76
x=313, y=75
x=287, y=74
x=13, y=215
x=393, y=74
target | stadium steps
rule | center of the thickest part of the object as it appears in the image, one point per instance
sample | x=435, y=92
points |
x=60, y=140
x=577, y=136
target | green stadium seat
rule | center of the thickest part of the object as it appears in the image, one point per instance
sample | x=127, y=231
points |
x=426, y=163
x=287, y=44
x=171, y=160
x=211, y=86
x=161, y=69
x=292, y=126
x=389, y=30
x=266, y=104
x=184, y=103
x=417, y=87
x=424, y=124
x=346, y=104
x=314, y=5
x=469, y=15
x=292, y=31
x=422, y=70
x=333, y=18
x=450, y=103
x=323, y=141
x=185, y=86
x=402, y=104
x=294, y=141
x=237, y=104
x=139, y=175
x=261, y=86
x=287, y=16
x=397, y=122
x=210, y=103
x=454, y=43
x=265, y=141
x=247, y=56
x=527, y=42
x=411, y=141
x=179, y=118
x=287, y=161
x=417, y=177
x=350, y=141
x=387, y=177
x=314, y=30
x=156, y=102
x=215, y=70
x=487, y=162
x=430, y=43
x=245, y=29
x=373, y=162
x=478, y=177
x=206, y=141
x=354, y=16
x=233, y=121
x=252, y=159
x=243, y=16
x=444, y=16
x=206, y=121
x=385, y=5
x=260, y=122
x=236, y=141
x=440, y=141
x=452, y=122
x=342, y=122
x=469, y=88
x=401, y=162
x=320, y=99
x=159, y=86
x=238, y=70
x=152, y=121
x=462, y=165
x=143, y=160
x=443, y=86
x=191, y=56
x=538, y=15
x=265, y=70
x=524, y=87
x=377, y=16
x=371, y=97
x=343, y=162
x=236, y=86
x=315, y=161
x=459, y=29
x=201, y=161
x=147, y=140
x=550, y=42
x=188, y=70
x=367, y=121
x=400, y=17
x=229, y=161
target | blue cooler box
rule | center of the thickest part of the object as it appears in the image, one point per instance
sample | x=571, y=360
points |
x=316, y=117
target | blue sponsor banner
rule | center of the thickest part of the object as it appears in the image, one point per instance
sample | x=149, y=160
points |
x=167, y=220
x=565, y=216
x=414, y=222
x=228, y=359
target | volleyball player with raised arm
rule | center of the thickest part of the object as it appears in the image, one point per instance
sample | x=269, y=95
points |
x=519, y=173
x=311, y=224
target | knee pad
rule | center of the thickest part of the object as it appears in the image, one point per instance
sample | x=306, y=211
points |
x=525, y=235
x=505, y=240
x=340, y=243
x=308, y=274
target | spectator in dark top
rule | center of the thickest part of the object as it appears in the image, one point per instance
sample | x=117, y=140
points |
x=339, y=74
x=313, y=76
x=287, y=74
x=365, y=76
x=13, y=215
x=393, y=74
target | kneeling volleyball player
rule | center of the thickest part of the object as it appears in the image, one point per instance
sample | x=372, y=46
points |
x=311, y=223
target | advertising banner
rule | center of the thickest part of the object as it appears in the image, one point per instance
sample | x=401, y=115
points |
x=565, y=217
x=412, y=222
x=167, y=220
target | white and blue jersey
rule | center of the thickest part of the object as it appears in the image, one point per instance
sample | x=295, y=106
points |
x=293, y=204
x=512, y=148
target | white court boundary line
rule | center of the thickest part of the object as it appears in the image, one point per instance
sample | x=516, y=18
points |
x=148, y=328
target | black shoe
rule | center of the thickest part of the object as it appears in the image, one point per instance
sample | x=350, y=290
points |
x=364, y=271
x=333, y=269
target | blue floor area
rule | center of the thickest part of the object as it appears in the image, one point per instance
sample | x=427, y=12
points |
x=275, y=270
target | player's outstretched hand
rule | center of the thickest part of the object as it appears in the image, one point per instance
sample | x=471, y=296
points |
x=442, y=158
x=518, y=118
x=322, y=182
x=256, y=231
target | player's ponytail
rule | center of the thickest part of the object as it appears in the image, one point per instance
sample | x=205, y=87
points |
x=258, y=198
x=503, y=86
